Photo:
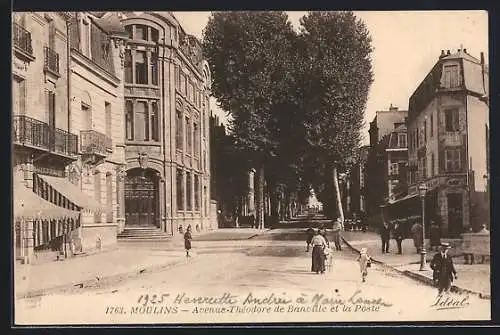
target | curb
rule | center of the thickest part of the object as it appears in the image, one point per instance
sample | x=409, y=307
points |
x=421, y=278
x=106, y=280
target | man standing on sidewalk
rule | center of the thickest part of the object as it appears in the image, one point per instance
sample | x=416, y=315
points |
x=444, y=270
x=398, y=235
x=385, y=235
x=337, y=234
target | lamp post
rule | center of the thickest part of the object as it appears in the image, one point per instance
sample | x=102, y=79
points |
x=422, y=190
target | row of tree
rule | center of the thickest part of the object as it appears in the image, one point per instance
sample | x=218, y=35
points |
x=296, y=98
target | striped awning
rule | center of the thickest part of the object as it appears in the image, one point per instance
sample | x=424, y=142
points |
x=73, y=193
x=28, y=205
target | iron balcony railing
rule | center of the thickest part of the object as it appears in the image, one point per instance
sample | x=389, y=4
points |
x=51, y=59
x=38, y=134
x=94, y=142
x=29, y=131
x=22, y=39
x=64, y=143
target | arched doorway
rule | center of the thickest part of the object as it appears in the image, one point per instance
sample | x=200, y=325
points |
x=141, y=198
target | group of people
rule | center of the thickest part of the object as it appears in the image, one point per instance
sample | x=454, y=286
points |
x=397, y=228
x=318, y=240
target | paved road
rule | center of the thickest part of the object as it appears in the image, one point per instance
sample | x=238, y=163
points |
x=241, y=274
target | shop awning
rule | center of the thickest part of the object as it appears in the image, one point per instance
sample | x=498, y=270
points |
x=73, y=193
x=403, y=199
x=29, y=205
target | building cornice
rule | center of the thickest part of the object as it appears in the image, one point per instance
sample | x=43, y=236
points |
x=94, y=68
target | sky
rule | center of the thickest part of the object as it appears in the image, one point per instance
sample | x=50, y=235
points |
x=406, y=46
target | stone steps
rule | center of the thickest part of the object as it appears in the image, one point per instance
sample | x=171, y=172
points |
x=143, y=234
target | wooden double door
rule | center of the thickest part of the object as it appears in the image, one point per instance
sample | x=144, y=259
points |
x=141, y=198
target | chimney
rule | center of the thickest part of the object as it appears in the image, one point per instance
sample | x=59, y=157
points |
x=465, y=50
x=442, y=54
x=482, y=58
x=448, y=52
x=393, y=108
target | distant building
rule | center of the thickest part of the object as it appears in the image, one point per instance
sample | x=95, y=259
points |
x=448, y=137
x=383, y=123
x=353, y=195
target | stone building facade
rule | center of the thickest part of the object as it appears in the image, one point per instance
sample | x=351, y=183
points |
x=166, y=101
x=97, y=114
x=448, y=135
x=50, y=140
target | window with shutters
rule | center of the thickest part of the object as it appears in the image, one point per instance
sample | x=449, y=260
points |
x=87, y=116
x=51, y=109
x=433, y=165
x=452, y=159
x=451, y=76
x=97, y=194
x=452, y=120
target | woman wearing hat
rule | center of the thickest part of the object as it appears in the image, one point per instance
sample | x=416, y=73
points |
x=444, y=270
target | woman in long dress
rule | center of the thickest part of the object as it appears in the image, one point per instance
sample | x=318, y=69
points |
x=187, y=240
x=318, y=256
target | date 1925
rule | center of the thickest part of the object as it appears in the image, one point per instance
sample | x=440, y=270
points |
x=153, y=299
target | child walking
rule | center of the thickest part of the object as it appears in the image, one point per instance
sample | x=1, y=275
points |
x=364, y=261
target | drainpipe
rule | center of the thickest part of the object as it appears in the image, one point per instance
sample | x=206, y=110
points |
x=171, y=149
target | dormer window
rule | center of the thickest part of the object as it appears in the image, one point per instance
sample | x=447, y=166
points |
x=450, y=76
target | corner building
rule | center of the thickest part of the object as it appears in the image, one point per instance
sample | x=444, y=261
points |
x=166, y=102
x=448, y=142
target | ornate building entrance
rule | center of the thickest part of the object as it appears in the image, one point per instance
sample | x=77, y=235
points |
x=141, y=198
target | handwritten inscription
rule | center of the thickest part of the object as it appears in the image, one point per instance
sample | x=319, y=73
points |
x=250, y=303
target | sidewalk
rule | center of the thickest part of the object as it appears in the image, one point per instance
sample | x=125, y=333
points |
x=471, y=278
x=108, y=266
x=126, y=260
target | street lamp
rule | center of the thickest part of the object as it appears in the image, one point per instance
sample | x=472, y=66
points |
x=422, y=190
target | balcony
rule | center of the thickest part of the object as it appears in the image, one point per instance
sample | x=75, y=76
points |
x=51, y=61
x=64, y=143
x=31, y=133
x=95, y=144
x=22, y=42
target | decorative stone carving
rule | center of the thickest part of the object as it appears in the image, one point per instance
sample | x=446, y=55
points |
x=74, y=173
x=143, y=160
x=121, y=173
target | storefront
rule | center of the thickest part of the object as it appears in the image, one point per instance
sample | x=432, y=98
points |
x=38, y=224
